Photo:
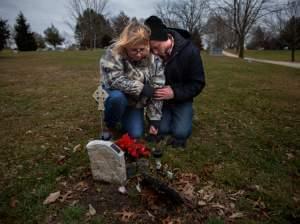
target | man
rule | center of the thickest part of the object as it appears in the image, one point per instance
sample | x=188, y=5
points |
x=184, y=79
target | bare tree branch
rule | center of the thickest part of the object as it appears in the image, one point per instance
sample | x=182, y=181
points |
x=245, y=14
x=186, y=14
x=77, y=7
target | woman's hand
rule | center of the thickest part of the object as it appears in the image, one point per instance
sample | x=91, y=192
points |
x=153, y=130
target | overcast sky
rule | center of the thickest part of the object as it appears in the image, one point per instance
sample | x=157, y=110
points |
x=40, y=14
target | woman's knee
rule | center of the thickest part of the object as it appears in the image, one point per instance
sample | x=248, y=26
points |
x=135, y=126
x=136, y=133
x=133, y=122
x=117, y=97
x=117, y=101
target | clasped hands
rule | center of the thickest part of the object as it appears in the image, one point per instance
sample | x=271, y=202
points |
x=164, y=93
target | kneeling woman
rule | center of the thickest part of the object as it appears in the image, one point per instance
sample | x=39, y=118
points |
x=130, y=74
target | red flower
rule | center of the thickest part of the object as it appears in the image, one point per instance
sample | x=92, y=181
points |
x=132, y=147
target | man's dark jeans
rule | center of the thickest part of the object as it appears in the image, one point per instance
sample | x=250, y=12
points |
x=177, y=121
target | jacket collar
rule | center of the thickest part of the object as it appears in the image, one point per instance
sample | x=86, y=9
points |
x=179, y=43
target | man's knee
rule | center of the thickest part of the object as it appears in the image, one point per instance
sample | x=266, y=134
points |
x=182, y=128
x=181, y=133
x=135, y=134
x=165, y=123
x=164, y=130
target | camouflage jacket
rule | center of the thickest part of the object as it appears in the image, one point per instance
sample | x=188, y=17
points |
x=117, y=72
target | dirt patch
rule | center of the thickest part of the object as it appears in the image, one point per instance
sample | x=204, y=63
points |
x=150, y=206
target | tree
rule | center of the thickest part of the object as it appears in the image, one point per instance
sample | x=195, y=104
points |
x=273, y=24
x=40, y=41
x=192, y=14
x=290, y=34
x=106, y=40
x=197, y=40
x=88, y=20
x=52, y=36
x=165, y=10
x=258, y=38
x=187, y=14
x=273, y=42
x=4, y=33
x=23, y=37
x=244, y=14
x=282, y=27
x=217, y=33
x=119, y=23
x=77, y=7
x=275, y=21
x=91, y=28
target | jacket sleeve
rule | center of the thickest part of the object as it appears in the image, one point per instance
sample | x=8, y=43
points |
x=194, y=79
x=114, y=76
x=157, y=80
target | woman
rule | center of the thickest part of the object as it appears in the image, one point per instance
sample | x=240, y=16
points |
x=129, y=76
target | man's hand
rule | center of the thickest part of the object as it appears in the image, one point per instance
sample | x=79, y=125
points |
x=165, y=93
x=153, y=130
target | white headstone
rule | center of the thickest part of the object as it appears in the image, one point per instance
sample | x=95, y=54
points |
x=107, y=161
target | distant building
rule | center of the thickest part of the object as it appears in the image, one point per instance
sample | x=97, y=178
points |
x=60, y=47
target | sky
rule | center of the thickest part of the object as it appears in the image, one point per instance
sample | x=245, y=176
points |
x=40, y=14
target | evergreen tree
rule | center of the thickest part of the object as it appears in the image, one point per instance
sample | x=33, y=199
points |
x=92, y=30
x=52, y=36
x=4, y=33
x=258, y=38
x=119, y=23
x=23, y=37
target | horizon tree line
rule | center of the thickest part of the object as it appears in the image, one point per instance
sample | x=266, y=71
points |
x=234, y=24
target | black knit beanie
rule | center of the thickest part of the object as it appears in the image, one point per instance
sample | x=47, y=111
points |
x=158, y=29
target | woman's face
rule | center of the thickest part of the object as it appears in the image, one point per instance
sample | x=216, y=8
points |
x=138, y=52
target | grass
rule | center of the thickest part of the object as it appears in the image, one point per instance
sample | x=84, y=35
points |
x=246, y=131
x=276, y=55
x=72, y=215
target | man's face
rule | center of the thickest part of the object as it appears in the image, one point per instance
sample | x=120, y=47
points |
x=160, y=48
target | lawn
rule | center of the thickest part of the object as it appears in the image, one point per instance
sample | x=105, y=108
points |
x=276, y=55
x=244, y=147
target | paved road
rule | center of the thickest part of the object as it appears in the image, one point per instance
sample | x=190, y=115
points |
x=283, y=63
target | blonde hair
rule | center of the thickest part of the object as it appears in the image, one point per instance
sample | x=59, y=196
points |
x=134, y=33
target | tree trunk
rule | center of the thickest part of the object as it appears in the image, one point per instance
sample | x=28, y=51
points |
x=294, y=38
x=91, y=42
x=236, y=48
x=241, y=47
x=293, y=54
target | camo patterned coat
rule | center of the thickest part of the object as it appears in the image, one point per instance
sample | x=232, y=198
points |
x=117, y=72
